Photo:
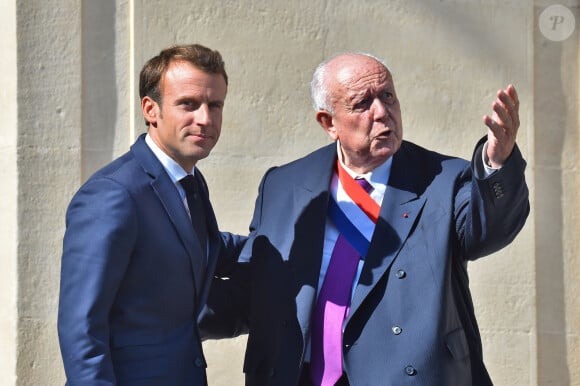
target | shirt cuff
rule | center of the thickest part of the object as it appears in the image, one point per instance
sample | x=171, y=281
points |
x=487, y=169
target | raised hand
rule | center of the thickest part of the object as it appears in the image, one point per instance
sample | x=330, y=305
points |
x=503, y=126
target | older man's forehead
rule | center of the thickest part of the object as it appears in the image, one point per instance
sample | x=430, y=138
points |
x=352, y=66
x=360, y=78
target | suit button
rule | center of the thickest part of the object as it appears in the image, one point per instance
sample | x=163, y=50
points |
x=198, y=362
x=400, y=274
x=410, y=370
x=397, y=330
x=272, y=372
x=284, y=323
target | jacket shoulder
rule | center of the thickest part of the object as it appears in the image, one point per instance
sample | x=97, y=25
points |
x=423, y=155
x=318, y=157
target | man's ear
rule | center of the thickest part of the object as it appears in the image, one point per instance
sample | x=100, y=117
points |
x=150, y=110
x=324, y=118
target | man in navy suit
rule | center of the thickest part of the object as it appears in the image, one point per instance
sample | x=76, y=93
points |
x=404, y=221
x=142, y=242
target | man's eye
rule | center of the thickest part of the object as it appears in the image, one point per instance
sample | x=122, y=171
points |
x=387, y=97
x=363, y=104
x=189, y=104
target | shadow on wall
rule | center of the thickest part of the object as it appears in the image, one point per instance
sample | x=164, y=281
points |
x=99, y=90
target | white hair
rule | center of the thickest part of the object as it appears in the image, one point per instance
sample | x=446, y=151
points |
x=318, y=87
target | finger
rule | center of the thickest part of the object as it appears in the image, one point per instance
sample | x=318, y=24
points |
x=506, y=99
x=510, y=102
x=498, y=130
x=487, y=121
x=512, y=92
x=502, y=116
x=493, y=126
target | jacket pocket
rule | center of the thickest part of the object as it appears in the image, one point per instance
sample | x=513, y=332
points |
x=138, y=355
x=141, y=369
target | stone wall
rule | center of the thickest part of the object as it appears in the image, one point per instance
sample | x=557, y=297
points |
x=68, y=90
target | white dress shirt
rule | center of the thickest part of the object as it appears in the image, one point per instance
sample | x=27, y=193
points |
x=172, y=168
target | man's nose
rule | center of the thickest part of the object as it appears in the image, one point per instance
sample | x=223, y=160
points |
x=202, y=116
x=380, y=111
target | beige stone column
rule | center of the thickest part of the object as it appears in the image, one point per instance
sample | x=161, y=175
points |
x=8, y=193
x=557, y=200
x=48, y=130
x=107, y=80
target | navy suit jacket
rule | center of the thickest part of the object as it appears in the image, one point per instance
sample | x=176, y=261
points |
x=411, y=319
x=131, y=284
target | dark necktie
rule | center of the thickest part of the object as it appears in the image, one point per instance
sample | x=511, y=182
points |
x=196, y=211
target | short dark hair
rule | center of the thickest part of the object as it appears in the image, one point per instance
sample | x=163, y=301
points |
x=205, y=59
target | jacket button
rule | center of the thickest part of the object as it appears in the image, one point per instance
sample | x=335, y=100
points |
x=410, y=370
x=397, y=330
x=198, y=362
x=400, y=274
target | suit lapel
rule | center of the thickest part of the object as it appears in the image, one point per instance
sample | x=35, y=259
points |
x=311, y=194
x=169, y=197
x=400, y=210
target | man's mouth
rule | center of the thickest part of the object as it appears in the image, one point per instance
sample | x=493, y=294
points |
x=197, y=135
x=384, y=134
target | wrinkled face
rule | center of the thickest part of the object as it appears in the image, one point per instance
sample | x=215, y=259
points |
x=367, y=114
x=187, y=124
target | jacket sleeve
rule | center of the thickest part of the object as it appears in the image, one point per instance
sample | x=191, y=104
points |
x=101, y=229
x=226, y=312
x=490, y=210
x=231, y=246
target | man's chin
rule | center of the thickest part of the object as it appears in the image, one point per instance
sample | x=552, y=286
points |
x=386, y=149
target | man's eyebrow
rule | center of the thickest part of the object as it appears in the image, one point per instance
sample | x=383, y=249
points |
x=354, y=95
x=182, y=98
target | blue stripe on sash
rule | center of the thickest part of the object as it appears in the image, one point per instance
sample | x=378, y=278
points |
x=347, y=229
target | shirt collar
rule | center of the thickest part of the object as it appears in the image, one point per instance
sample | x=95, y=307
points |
x=172, y=168
x=378, y=177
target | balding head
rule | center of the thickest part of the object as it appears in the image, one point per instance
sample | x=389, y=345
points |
x=328, y=70
x=356, y=104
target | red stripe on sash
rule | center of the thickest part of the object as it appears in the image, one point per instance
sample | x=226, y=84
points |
x=358, y=194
